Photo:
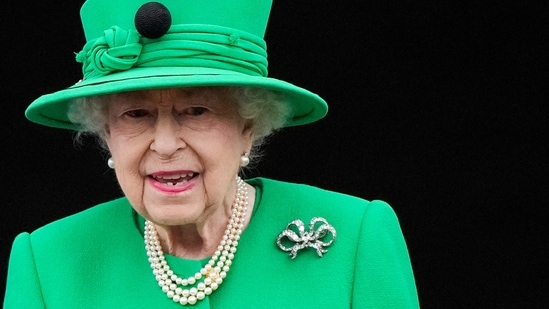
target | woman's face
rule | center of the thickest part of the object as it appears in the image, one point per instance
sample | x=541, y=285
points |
x=177, y=151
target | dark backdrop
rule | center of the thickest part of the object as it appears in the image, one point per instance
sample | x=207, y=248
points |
x=436, y=107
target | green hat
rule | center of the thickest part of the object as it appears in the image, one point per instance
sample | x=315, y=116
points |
x=136, y=45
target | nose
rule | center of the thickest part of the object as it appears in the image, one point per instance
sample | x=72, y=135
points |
x=167, y=139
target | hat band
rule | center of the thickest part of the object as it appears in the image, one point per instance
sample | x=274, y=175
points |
x=206, y=46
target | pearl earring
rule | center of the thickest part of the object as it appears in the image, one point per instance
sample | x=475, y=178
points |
x=110, y=163
x=244, y=160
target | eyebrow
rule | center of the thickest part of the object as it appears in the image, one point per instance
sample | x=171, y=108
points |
x=190, y=94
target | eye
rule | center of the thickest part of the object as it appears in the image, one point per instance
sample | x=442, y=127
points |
x=196, y=110
x=136, y=113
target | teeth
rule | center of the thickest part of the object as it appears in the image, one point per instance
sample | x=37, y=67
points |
x=174, y=176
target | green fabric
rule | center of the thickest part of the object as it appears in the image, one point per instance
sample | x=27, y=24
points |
x=218, y=44
x=96, y=259
x=205, y=46
x=247, y=15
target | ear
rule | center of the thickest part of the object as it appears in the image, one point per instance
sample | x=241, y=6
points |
x=248, y=137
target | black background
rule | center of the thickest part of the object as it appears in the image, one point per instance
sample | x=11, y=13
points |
x=437, y=107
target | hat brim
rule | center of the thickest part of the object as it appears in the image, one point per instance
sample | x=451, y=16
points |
x=51, y=109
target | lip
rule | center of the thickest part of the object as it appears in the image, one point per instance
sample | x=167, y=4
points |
x=172, y=189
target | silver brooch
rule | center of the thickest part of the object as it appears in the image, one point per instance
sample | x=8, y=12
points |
x=321, y=234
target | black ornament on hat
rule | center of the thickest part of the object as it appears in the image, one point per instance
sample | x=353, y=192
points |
x=153, y=20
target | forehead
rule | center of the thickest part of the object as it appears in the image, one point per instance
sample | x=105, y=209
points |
x=195, y=94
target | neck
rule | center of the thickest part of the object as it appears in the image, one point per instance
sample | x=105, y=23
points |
x=191, y=241
x=199, y=241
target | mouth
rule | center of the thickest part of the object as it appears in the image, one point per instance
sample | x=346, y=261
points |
x=173, y=179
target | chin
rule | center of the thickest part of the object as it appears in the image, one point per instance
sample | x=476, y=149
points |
x=175, y=217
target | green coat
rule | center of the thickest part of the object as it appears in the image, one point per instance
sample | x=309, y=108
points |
x=97, y=259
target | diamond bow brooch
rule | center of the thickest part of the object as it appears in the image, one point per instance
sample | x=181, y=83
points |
x=294, y=238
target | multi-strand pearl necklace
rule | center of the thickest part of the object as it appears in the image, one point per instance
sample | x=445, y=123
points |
x=195, y=288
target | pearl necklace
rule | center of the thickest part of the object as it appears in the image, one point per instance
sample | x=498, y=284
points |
x=210, y=277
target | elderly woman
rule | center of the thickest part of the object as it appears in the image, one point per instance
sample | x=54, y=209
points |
x=177, y=92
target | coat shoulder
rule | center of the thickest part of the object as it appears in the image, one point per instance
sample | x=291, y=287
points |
x=95, y=220
x=308, y=197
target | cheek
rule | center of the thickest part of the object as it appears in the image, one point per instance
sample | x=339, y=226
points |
x=229, y=144
x=235, y=132
x=124, y=145
x=130, y=181
x=128, y=156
